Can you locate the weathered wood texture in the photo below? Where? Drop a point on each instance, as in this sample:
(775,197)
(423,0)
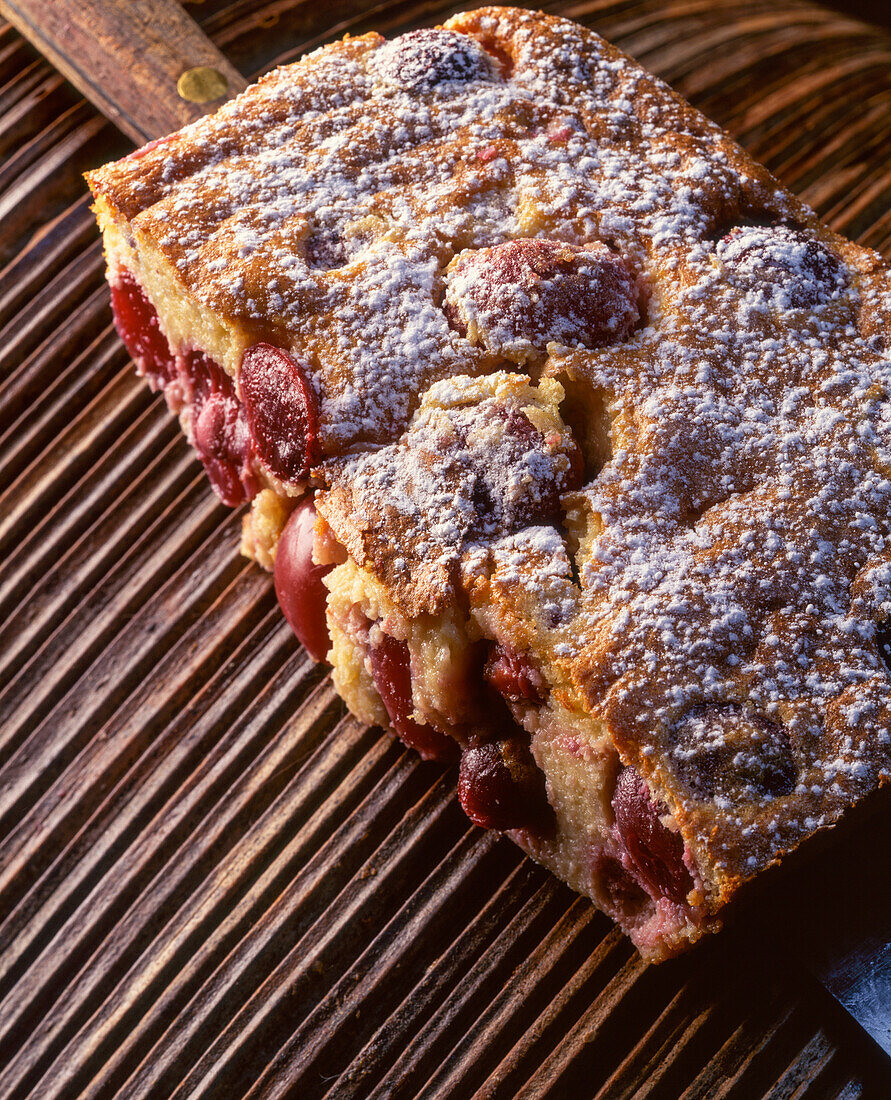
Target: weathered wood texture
(215,883)
(127,57)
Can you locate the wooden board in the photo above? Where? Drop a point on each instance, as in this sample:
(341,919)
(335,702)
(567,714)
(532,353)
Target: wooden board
(145,64)
(215,883)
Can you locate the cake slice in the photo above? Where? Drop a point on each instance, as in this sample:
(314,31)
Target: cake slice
(565,428)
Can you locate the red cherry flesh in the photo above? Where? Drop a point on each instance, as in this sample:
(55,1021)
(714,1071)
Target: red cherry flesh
(136,320)
(299,583)
(655,851)
(391,670)
(281,410)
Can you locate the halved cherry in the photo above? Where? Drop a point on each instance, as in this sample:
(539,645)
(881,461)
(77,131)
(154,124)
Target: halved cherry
(281,410)
(219,430)
(503,493)
(656,853)
(783,263)
(522,294)
(391,671)
(136,320)
(622,891)
(513,675)
(427,58)
(728,751)
(499,785)
(299,584)
(205,377)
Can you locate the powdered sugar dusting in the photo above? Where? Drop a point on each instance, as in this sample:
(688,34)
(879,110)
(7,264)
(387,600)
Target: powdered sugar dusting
(472,466)
(325,203)
(737,571)
(518,297)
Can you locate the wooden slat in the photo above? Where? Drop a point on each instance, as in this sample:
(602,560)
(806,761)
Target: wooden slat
(212,881)
(128,58)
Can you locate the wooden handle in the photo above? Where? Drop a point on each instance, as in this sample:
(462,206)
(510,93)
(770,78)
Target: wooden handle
(144,63)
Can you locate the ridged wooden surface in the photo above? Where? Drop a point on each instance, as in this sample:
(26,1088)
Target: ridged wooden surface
(213,881)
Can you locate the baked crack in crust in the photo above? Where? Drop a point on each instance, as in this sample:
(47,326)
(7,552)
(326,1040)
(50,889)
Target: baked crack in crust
(566,431)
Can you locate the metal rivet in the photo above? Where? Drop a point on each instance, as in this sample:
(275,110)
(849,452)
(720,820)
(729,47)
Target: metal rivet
(202,85)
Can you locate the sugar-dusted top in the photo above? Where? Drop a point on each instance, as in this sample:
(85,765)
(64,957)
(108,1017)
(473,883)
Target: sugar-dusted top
(733,575)
(321,208)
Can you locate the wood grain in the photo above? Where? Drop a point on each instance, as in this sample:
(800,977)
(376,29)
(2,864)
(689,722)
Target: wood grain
(213,882)
(126,57)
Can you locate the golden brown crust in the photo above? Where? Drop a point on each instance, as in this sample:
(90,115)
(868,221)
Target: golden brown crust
(730,539)
(744,497)
(320,208)
(481,455)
